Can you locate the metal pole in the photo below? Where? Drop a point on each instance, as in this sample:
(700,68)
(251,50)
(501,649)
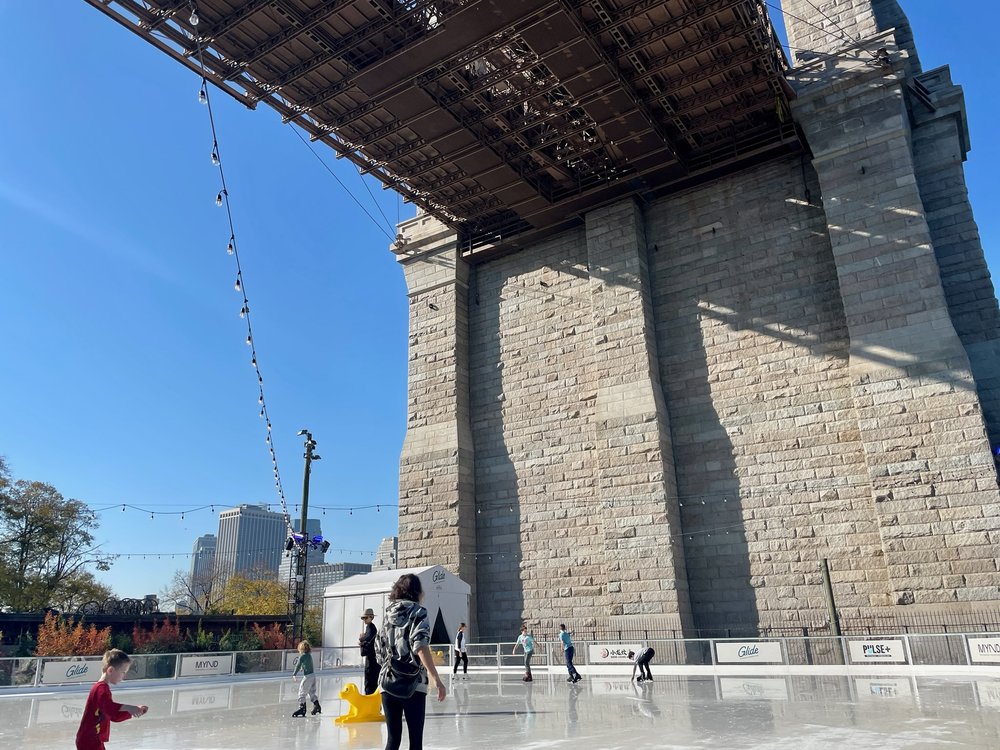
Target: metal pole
(301,549)
(830,602)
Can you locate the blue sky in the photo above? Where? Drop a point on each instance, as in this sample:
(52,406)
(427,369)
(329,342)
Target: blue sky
(125,375)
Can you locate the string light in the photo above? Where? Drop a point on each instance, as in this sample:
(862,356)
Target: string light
(222,194)
(231,249)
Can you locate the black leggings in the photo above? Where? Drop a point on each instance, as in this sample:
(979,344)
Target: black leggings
(461,656)
(414,707)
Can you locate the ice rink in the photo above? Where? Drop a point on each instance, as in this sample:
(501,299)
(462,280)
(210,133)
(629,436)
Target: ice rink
(499,711)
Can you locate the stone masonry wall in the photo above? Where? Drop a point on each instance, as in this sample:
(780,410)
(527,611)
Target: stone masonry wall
(753,355)
(539,532)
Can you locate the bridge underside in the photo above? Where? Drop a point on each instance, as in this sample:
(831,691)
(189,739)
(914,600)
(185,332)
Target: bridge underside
(503,118)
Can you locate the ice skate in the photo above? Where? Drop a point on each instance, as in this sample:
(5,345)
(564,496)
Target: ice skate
(317,709)
(301,710)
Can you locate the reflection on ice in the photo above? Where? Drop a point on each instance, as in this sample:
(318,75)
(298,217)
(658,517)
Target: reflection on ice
(492,711)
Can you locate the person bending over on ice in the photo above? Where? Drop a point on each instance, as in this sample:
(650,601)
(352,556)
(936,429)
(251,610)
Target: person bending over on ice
(308,684)
(100,710)
(642,660)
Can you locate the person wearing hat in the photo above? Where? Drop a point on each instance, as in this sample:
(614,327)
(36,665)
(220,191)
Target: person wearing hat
(367,642)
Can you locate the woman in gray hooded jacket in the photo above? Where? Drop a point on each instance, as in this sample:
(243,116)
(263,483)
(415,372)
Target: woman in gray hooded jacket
(405,635)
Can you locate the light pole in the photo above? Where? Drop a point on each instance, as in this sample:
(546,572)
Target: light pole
(302,544)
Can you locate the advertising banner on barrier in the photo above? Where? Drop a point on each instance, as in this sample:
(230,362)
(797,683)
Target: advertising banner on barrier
(60,710)
(77,670)
(206,664)
(749,652)
(984,650)
(203,699)
(989,693)
(611,653)
(292,658)
(884,688)
(882,652)
(753,688)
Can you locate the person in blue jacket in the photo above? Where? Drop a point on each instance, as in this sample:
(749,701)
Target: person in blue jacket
(568,652)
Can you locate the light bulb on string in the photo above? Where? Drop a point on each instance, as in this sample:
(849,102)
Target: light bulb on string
(231,248)
(244,311)
(215,155)
(202,94)
(238,285)
(249,340)
(193,20)
(218,198)
(253,363)
(123,509)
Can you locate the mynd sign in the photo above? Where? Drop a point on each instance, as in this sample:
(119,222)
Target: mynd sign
(204,664)
(984,650)
(748,652)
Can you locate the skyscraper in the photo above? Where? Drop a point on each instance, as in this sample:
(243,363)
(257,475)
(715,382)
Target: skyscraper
(385,555)
(250,540)
(203,559)
(200,584)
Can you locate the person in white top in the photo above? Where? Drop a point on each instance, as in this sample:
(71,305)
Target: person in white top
(460,654)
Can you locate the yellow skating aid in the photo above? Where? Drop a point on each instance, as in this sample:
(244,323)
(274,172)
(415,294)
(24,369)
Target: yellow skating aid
(360,707)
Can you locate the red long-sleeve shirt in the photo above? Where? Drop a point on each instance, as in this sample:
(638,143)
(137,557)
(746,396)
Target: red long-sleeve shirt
(100,711)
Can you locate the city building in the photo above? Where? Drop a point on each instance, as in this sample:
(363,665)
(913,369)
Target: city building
(251,540)
(385,555)
(321,576)
(203,556)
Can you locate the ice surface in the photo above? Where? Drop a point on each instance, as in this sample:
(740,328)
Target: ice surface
(499,711)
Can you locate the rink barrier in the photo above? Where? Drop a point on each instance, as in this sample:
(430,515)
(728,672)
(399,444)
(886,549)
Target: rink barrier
(922,649)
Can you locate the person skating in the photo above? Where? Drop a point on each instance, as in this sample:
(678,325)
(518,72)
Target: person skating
(642,660)
(460,650)
(367,643)
(308,685)
(100,710)
(568,652)
(527,643)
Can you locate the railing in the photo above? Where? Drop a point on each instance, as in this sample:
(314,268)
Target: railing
(916,650)
(44,670)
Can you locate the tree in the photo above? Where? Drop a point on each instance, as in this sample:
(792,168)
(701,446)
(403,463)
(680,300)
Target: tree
(77,590)
(46,545)
(200,593)
(254,596)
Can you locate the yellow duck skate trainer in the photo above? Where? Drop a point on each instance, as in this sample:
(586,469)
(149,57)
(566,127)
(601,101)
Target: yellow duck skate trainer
(361,707)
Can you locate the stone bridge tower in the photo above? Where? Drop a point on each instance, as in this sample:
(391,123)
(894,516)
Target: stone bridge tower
(664,418)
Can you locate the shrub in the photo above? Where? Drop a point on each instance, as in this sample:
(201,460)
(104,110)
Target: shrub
(59,637)
(200,640)
(272,637)
(164,638)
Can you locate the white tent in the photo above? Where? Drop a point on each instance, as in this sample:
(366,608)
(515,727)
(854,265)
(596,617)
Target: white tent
(446,597)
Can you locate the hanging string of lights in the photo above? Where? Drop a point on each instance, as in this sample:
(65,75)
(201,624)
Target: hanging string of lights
(222,199)
(154,510)
(241,555)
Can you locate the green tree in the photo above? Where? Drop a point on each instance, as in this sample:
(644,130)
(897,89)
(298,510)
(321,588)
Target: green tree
(46,545)
(77,590)
(254,596)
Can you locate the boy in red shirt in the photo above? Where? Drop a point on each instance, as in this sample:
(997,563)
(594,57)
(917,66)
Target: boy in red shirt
(100,711)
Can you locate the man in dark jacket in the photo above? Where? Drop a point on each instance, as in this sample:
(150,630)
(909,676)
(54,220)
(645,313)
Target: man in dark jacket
(367,642)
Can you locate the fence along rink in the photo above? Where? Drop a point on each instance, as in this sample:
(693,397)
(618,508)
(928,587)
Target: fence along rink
(930,649)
